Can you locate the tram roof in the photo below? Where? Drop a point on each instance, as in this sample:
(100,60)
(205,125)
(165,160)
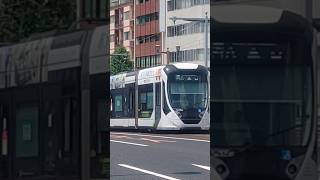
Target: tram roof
(176,65)
(258,18)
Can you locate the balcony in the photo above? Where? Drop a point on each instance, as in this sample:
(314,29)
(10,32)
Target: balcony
(147,8)
(116,3)
(147,28)
(131,43)
(147,49)
(132,22)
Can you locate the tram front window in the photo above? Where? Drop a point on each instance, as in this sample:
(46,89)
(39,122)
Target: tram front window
(188,91)
(262,105)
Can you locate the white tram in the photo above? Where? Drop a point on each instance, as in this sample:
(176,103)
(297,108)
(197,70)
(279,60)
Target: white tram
(171,97)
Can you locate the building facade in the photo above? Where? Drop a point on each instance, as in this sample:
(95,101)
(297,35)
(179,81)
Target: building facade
(122,25)
(185,40)
(148,39)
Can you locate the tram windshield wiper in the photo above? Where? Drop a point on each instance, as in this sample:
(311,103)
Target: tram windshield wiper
(199,102)
(284,131)
(248,145)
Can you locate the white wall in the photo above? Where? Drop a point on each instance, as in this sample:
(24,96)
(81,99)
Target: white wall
(186,42)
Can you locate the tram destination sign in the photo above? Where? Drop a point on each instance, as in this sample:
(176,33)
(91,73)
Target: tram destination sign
(180,77)
(240,52)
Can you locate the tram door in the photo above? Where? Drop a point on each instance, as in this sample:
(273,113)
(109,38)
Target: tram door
(26,132)
(51,116)
(157,96)
(61,116)
(27,139)
(4,141)
(61,139)
(69,143)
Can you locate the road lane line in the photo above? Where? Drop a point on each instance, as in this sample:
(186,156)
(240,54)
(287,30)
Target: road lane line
(203,167)
(146,139)
(123,142)
(121,137)
(156,140)
(165,137)
(148,172)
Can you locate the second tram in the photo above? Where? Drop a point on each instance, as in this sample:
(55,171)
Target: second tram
(264,95)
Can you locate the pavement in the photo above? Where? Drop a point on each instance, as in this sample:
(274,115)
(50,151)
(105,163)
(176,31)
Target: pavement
(139,156)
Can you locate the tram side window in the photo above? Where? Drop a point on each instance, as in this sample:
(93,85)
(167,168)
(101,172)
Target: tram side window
(118,103)
(145,101)
(117,106)
(131,103)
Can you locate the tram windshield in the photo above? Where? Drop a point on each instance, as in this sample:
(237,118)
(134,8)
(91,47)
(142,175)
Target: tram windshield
(188,91)
(262,104)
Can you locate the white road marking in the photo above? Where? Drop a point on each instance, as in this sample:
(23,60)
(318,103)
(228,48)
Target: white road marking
(146,139)
(165,137)
(203,167)
(123,142)
(148,172)
(155,140)
(121,137)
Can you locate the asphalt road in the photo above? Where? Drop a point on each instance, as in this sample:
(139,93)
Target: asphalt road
(139,156)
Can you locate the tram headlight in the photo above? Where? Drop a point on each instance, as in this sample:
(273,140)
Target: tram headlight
(178,113)
(201,114)
(221,169)
(292,169)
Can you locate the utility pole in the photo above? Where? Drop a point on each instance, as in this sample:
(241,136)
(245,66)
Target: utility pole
(206,36)
(206,22)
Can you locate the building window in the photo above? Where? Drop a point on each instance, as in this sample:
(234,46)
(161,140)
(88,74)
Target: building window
(111,38)
(138,62)
(126,35)
(170,5)
(147,18)
(143,62)
(153,61)
(182,4)
(148,64)
(187,55)
(148,38)
(112,19)
(126,15)
(185,29)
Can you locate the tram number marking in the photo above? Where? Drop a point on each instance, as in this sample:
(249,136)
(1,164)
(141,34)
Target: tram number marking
(223,153)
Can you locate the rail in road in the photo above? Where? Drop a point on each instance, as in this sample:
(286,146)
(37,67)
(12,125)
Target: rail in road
(138,156)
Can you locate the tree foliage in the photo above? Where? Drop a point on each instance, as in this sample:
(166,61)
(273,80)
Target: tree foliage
(21,18)
(120,61)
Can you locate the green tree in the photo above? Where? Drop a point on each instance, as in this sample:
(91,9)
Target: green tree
(120,61)
(19,19)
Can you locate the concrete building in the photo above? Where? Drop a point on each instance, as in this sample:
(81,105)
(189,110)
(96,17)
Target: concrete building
(148,41)
(122,25)
(185,40)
